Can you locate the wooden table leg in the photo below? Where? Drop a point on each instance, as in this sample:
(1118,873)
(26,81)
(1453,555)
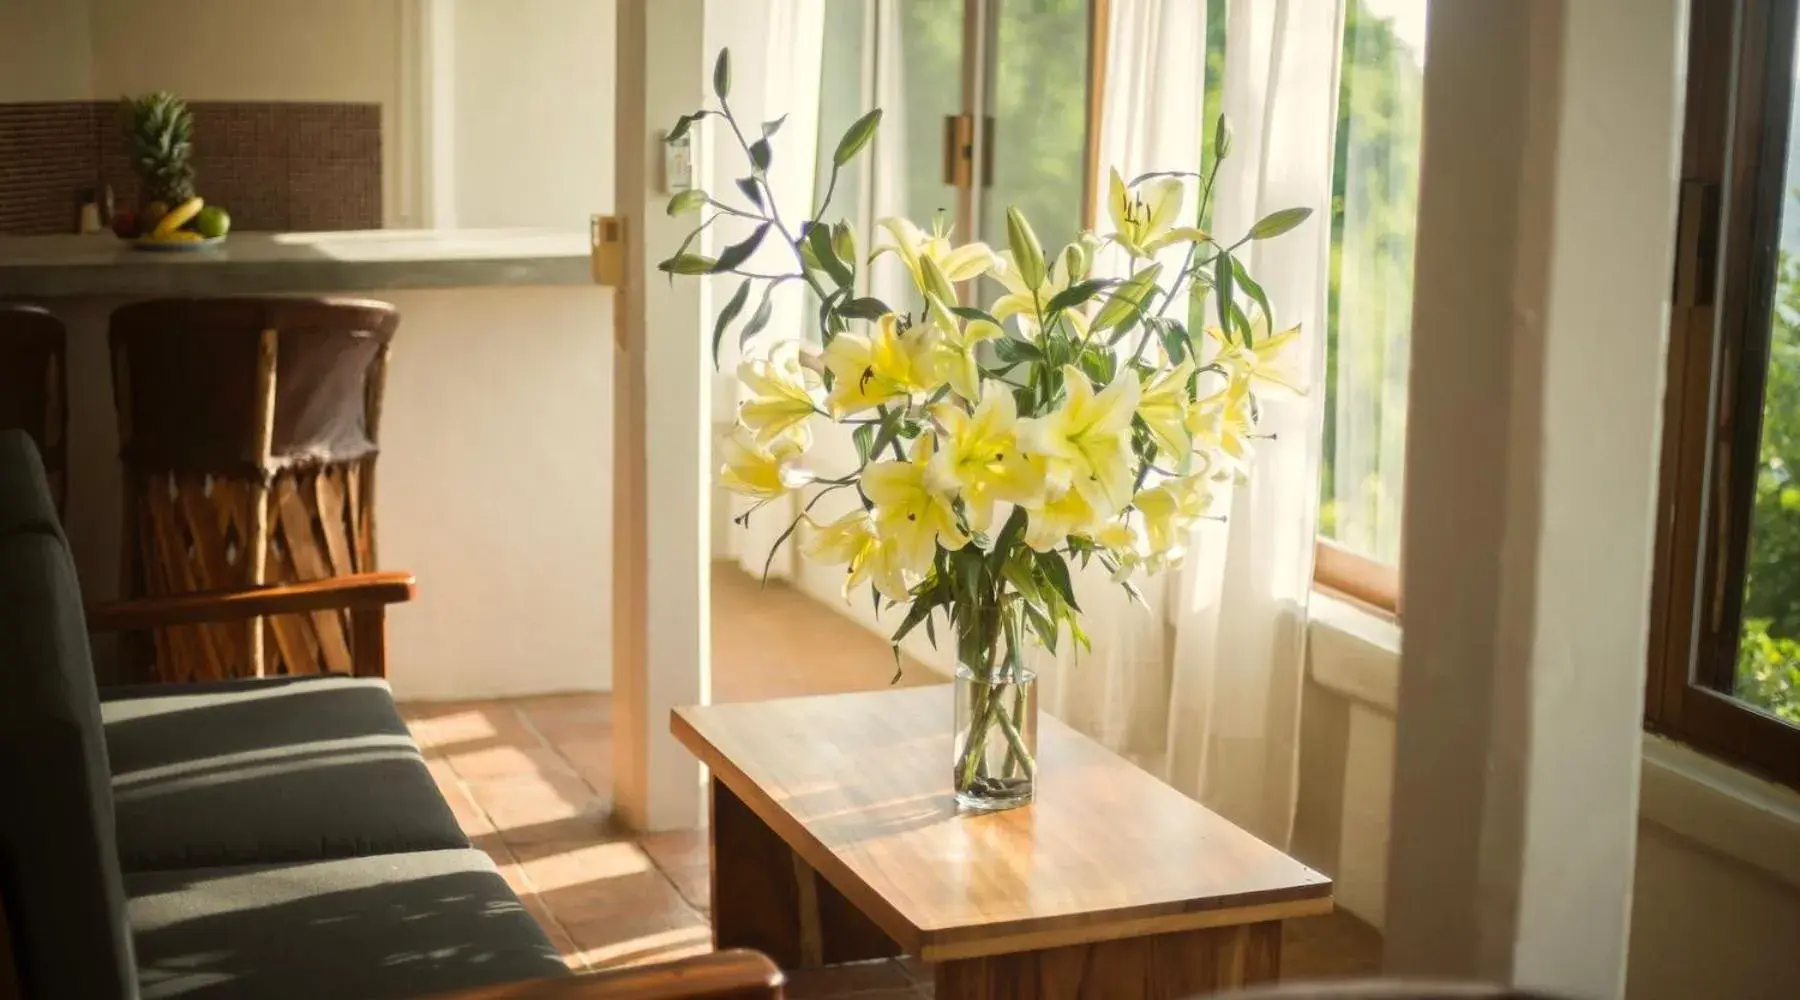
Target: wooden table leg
(766,898)
(1181,964)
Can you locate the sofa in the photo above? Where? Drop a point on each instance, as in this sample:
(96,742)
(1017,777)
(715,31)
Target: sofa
(266,838)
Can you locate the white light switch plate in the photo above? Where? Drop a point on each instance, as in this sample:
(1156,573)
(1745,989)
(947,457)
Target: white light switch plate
(678,164)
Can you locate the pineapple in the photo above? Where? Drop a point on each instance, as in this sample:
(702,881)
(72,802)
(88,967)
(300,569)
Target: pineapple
(159,134)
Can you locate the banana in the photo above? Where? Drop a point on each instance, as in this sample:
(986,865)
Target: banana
(178,216)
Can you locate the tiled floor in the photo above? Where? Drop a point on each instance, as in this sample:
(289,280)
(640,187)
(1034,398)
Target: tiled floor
(530,780)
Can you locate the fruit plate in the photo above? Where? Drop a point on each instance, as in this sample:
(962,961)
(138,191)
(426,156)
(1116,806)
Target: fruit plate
(176,246)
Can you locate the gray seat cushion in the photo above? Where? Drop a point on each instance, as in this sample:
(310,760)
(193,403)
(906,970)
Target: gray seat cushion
(59,872)
(404,925)
(256,772)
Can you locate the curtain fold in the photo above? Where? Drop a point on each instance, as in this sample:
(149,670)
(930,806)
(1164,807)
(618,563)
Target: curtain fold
(1118,692)
(1240,607)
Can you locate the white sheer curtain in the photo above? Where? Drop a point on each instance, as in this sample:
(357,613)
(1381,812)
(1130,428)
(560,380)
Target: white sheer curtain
(1233,727)
(776,48)
(1150,120)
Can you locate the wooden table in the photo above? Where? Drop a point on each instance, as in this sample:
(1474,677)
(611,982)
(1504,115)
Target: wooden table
(835,839)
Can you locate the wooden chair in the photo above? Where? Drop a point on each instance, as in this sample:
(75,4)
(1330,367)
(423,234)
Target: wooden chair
(249,430)
(34,389)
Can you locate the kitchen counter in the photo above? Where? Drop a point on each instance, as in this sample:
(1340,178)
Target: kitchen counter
(252,263)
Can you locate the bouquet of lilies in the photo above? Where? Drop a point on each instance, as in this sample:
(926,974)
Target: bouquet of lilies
(1074,418)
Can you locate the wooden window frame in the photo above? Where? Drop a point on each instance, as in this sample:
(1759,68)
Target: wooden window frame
(1350,575)
(1734,146)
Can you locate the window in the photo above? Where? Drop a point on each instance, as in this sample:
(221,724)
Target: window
(1369,319)
(1725,643)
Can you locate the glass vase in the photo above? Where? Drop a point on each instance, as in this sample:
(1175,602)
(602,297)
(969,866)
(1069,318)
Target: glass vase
(995,764)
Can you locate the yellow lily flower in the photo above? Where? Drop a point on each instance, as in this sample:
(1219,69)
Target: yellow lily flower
(1222,422)
(1169,512)
(912,244)
(1144,220)
(953,352)
(852,540)
(981,459)
(1019,299)
(882,368)
(784,395)
(1164,405)
(1050,524)
(911,514)
(1087,441)
(764,471)
(1269,363)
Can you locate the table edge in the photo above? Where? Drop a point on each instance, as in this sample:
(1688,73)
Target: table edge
(800,840)
(1310,899)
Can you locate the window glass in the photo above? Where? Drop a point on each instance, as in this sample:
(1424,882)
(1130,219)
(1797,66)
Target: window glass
(1038,107)
(1369,319)
(1768,662)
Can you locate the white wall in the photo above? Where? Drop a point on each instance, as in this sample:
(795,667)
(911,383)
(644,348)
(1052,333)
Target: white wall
(45,53)
(264,50)
(1705,922)
(530,101)
(495,489)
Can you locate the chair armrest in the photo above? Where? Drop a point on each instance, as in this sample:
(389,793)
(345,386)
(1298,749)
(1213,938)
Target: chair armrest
(362,591)
(724,975)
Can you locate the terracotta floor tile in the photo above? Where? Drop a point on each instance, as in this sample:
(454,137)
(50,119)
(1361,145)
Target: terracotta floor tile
(677,848)
(694,882)
(553,929)
(469,816)
(552,867)
(506,761)
(517,804)
(602,898)
(640,938)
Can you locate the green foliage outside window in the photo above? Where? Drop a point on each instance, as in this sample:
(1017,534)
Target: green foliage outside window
(1768,667)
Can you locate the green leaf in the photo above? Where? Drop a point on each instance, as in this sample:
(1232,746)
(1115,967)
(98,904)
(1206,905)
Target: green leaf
(1276,223)
(737,253)
(864,438)
(777,548)
(722,74)
(864,308)
(1016,352)
(1075,295)
(770,128)
(749,188)
(856,137)
(1222,283)
(1174,340)
(971,313)
(890,430)
(919,611)
(687,201)
(684,123)
(687,263)
(818,240)
(733,306)
(843,242)
(1221,137)
(759,318)
(1043,626)
(1028,253)
(1126,305)
(761,154)
(1242,277)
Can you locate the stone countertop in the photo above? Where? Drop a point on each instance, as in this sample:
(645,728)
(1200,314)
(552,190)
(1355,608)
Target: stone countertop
(264,263)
